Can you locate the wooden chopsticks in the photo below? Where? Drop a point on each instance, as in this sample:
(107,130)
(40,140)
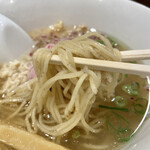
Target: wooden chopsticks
(112,66)
(133,55)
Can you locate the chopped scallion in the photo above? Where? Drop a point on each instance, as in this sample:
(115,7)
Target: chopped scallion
(124,135)
(138,108)
(131,89)
(135,85)
(100,41)
(139,105)
(113,43)
(116,122)
(119,126)
(120,101)
(126,75)
(133,62)
(120,78)
(76,134)
(114,108)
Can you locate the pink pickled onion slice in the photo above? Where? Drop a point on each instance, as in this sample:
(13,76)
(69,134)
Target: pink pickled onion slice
(31,73)
(49,46)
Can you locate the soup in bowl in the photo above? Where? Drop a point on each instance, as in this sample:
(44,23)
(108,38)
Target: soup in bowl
(67,104)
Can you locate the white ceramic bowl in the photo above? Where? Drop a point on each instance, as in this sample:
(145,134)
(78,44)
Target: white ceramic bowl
(123,19)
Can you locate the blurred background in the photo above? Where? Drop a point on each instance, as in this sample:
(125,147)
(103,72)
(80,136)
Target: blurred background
(144,2)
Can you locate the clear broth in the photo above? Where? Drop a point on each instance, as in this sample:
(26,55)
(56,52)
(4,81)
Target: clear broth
(53,35)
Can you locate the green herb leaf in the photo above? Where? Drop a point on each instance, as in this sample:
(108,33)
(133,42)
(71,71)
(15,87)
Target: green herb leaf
(76,134)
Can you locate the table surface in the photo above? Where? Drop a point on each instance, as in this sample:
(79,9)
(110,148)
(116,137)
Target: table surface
(144,2)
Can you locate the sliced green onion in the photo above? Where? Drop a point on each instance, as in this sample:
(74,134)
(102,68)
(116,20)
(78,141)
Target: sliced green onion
(120,78)
(126,75)
(100,41)
(120,101)
(135,85)
(138,108)
(139,105)
(119,126)
(116,123)
(76,134)
(133,62)
(124,135)
(131,89)
(113,43)
(114,108)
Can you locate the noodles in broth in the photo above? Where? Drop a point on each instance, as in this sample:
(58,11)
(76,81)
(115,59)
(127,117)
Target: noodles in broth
(61,99)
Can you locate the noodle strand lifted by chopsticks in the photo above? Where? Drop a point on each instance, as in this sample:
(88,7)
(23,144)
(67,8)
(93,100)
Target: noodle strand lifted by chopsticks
(66,93)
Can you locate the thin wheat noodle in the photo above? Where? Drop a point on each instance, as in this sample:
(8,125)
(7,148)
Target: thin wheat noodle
(66,93)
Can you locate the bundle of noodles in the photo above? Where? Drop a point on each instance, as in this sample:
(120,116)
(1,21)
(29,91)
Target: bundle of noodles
(62,97)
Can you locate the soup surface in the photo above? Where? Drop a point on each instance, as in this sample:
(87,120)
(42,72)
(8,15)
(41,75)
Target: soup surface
(117,117)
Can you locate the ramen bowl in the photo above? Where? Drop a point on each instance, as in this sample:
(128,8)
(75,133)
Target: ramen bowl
(125,20)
